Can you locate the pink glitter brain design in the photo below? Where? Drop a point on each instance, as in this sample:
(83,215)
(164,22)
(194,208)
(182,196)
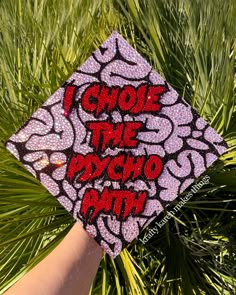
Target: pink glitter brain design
(115,144)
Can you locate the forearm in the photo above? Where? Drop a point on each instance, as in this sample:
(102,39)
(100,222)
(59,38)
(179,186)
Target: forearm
(69,269)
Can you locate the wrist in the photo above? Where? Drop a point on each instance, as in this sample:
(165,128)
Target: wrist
(78,236)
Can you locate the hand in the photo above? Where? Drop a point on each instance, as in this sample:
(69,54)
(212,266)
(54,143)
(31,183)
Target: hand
(68,270)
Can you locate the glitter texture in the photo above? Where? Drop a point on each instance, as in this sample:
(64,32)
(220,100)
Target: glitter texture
(185,143)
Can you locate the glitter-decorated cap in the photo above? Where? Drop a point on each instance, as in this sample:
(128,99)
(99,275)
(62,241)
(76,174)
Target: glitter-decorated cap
(115,144)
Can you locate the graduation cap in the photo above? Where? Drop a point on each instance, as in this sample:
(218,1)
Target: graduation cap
(115,144)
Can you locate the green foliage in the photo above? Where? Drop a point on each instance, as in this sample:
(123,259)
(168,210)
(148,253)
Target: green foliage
(192,44)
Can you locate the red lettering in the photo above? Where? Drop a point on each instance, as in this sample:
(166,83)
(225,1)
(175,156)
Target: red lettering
(86,167)
(122,167)
(75,165)
(141,95)
(107,99)
(68,100)
(133,167)
(99,165)
(153,167)
(112,201)
(127,98)
(153,97)
(130,131)
(135,203)
(105,134)
(90,98)
(100,98)
(115,168)
(95,203)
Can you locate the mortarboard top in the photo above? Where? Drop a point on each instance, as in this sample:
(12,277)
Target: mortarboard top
(115,144)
